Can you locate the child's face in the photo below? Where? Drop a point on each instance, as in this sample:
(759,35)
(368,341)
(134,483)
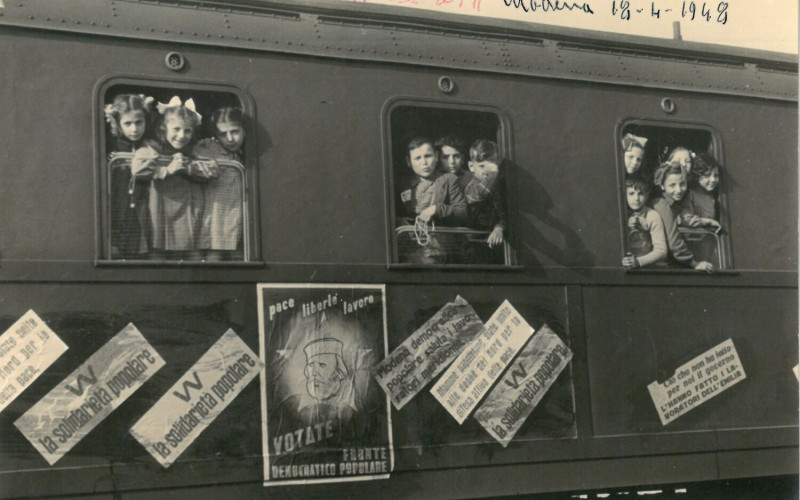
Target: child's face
(633,160)
(480,169)
(675,186)
(635,198)
(711,181)
(682,157)
(179,133)
(230,135)
(423,160)
(451,160)
(131,124)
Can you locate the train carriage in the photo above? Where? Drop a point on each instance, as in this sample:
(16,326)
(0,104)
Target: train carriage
(333,94)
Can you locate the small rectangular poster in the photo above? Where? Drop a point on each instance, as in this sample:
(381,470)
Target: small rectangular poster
(27,349)
(473,373)
(62,418)
(428,351)
(697,381)
(524,384)
(197,398)
(324,418)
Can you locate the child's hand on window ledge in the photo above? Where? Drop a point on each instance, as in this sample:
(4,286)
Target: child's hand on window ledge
(704,266)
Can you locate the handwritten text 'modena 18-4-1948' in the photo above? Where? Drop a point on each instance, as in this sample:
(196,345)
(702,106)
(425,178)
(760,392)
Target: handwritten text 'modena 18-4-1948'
(623,10)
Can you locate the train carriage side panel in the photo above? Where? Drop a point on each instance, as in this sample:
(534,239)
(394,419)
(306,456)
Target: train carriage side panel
(322,143)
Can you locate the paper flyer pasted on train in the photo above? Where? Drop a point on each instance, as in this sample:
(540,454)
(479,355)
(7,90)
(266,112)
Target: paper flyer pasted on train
(428,351)
(27,349)
(697,381)
(324,418)
(62,418)
(523,385)
(473,373)
(197,398)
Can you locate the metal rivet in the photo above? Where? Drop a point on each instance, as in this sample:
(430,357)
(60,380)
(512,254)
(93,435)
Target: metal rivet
(174,61)
(446,84)
(668,105)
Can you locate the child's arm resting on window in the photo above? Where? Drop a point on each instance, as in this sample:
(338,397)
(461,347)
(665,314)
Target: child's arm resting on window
(144,164)
(653,223)
(203,169)
(675,243)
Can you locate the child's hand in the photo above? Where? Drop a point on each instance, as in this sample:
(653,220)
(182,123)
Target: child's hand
(490,168)
(178,163)
(495,237)
(427,214)
(704,266)
(630,262)
(633,221)
(712,224)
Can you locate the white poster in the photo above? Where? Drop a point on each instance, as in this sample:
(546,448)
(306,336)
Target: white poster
(62,418)
(473,373)
(27,349)
(697,381)
(524,384)
(427,351)
(194,401)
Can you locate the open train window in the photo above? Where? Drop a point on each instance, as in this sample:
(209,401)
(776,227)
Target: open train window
(447,185)
(673,203)
(177,163)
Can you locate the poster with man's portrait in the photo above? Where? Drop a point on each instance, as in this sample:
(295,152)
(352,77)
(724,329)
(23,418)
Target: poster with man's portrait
(324,418)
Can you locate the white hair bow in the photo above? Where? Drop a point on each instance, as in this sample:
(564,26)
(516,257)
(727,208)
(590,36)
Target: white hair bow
(108,110)
(631,139)
(176,102)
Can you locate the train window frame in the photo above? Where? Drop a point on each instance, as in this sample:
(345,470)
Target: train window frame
(251,248)
(717,150)
(393,175)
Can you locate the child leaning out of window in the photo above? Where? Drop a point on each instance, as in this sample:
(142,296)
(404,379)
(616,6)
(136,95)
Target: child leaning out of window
(174,172)
(485,198)
(647,243)
(705,180)
(671,178)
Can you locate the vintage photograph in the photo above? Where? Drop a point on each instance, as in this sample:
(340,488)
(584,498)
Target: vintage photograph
(399,249)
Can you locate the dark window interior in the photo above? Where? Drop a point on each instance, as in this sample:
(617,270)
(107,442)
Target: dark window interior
(662,140)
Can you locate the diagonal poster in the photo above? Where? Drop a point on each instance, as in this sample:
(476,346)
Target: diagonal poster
(324,418)
(197,399)
(74,407)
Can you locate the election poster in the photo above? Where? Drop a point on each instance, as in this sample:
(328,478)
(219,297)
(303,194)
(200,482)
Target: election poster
(324,418)
(696,381)
(476,369)
(427,351)
(197,398)
(523,385)
(63,417)
(27,349)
